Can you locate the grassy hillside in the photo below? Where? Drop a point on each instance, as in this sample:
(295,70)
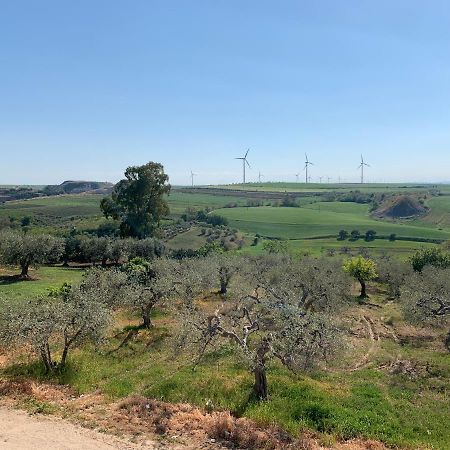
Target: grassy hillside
(321,219)
(361,395)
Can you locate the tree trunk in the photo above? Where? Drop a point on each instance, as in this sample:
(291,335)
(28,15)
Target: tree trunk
(104,262)
(363,289)
(146,317)
(64,354)
(24,272)
(223,286)
(260,386)
(47,358)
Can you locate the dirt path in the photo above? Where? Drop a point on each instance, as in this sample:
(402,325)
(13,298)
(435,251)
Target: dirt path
(374,340)
(20,431)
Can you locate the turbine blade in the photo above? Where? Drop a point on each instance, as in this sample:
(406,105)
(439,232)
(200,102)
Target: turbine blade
(246,153)
(247,163)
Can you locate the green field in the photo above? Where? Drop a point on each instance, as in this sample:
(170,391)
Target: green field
(321,219)
(42,279)
(341,187)
(313,219)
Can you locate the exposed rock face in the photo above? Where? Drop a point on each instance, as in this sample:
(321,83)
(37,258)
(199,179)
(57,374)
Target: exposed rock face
(400,207)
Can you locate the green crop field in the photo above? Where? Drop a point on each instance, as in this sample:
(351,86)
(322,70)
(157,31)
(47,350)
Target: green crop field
(313,219)
(321,219)
(341,187)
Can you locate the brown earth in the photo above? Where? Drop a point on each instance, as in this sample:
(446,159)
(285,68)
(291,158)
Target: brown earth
(400,207)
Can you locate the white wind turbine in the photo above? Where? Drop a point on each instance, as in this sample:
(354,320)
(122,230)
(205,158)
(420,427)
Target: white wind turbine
(361,166)
(244,162)
(307,163)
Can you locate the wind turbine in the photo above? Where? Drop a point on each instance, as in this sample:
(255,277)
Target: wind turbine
(307,163)
(320,179)
(296,177)
(328,179)
(244,162)
(192,178)
(260,175)
(361,166)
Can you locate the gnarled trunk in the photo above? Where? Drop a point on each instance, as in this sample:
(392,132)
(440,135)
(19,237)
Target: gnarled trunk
(24,270)
(260,386)
(47,358)
(224,281)
(363,289)
(223,285)
(146,317)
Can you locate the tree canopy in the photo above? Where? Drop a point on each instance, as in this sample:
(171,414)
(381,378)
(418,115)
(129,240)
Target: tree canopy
(28,249)
(363,269)
(138,201)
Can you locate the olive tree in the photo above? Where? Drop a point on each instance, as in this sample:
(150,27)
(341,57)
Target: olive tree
(425,298)
(363,269)
(70,317)
(95,249)
(29,249)
(434,256)
(279,309)
(393,273)
(148,283)
(224,266)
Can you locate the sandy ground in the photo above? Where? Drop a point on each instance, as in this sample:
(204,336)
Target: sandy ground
(20,431)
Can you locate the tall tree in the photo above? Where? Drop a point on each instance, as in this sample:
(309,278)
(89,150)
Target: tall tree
(138,201)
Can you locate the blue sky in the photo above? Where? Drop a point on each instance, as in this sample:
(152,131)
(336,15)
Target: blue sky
(89,87)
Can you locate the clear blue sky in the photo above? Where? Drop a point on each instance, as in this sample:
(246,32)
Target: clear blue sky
(88,87)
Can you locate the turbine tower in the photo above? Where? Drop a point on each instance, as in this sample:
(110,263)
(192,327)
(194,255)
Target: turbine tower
(244,162)
(328,179)
(296,177)
(192,178)
(361,166)
(307,163)
(260,175)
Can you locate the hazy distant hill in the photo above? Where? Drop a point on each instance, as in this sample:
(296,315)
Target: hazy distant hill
(78,187)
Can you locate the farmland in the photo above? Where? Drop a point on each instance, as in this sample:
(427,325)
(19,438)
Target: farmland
(319,220)
(312,226)
(358,395)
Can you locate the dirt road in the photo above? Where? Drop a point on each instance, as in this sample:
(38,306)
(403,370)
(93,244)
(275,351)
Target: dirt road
(20,431)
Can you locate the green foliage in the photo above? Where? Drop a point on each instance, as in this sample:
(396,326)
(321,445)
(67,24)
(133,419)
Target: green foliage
(71,316)
(138,201)
(425,297)
(430,256)
(355,235)
(209,248)
(28,249)
(275,246)
(342,235)
(370,235)
(361,268)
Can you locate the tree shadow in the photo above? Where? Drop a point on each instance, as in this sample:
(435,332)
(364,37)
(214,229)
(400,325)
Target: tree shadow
(240,409)
(12,279)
